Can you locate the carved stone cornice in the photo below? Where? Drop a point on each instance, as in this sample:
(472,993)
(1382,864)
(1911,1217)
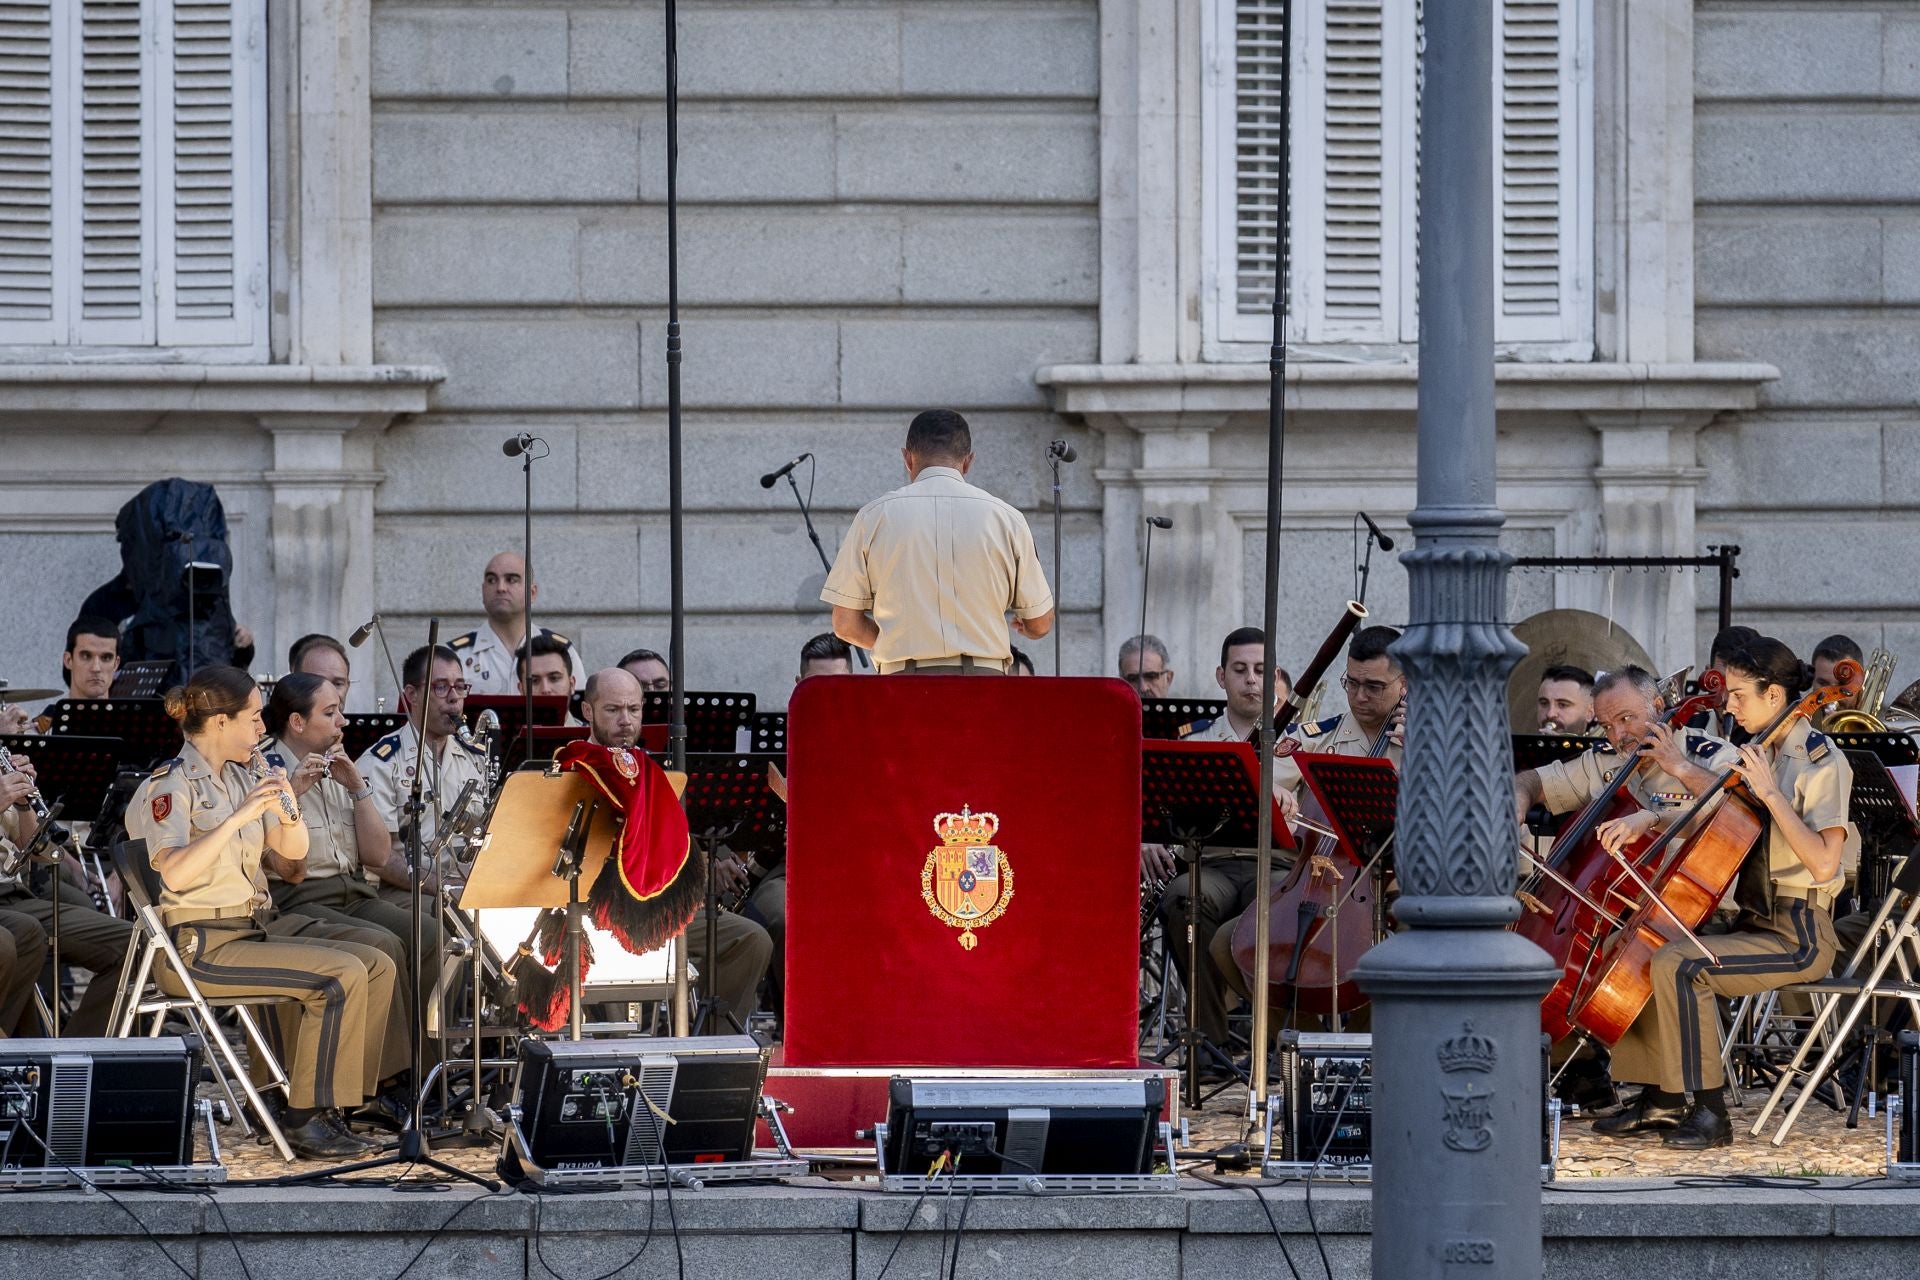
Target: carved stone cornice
(123,397)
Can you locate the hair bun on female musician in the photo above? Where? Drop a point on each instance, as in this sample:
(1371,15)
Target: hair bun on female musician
(213,691)
(1770,662)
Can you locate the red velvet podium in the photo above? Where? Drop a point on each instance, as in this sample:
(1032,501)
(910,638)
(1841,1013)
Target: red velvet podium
(962,884)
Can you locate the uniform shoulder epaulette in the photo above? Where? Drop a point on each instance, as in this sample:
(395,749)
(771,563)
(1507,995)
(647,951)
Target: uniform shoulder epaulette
(383,750)
(1319,728)
(167,768)
(555,635)
(1818,746)
(1192,727)
(274,758)
(463,641)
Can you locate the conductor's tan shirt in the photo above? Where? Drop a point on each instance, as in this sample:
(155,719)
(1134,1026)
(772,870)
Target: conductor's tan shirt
(183,800)
(940,563)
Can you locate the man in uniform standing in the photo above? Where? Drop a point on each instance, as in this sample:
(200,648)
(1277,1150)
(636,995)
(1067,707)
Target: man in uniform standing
(433,707)
(486,653)
(927,574)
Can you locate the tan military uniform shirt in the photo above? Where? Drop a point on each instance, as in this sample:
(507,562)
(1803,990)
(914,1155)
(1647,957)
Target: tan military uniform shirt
(1818,780)
(10,845)
(1339,736)
(487,662)
(333,845)
(940,563)
(1566,785)
(183,800)
(388,766)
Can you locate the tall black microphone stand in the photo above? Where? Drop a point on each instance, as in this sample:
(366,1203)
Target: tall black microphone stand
(676,511)
(413,1148)
(1257,1093)
(806,514)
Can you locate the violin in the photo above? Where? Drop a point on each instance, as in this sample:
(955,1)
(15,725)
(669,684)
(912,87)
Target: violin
(1687,879)
(1571,899)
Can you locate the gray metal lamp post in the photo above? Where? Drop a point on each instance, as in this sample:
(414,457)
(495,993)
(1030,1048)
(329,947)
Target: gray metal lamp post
(1456,998)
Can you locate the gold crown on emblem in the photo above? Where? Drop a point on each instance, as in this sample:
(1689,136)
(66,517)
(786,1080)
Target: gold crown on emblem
(966,827)
(1468,1051)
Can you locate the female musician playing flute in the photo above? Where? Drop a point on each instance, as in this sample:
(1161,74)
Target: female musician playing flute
(1785,893)
(210,823)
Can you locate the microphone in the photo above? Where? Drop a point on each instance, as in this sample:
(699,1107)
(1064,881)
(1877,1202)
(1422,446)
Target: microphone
(1160,522)
(359,637)
(1386,543)
(517,445)
(1061,450)
(768,480)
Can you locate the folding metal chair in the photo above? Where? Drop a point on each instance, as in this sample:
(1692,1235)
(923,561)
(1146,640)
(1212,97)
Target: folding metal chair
(1840,1001)
(140,997)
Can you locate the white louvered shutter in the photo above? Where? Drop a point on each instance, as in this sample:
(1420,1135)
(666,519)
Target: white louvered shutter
(1355,173)
(27,125)
(211,162)
(1542,262)
(132,175)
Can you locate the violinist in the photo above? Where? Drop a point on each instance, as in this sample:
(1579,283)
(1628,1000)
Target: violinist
(1785,894)
(211,824)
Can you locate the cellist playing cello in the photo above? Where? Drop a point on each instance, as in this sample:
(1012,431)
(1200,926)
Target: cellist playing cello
(1785,893)
(1672,766)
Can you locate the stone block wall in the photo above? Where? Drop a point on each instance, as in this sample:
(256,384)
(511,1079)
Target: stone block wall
(885,206)
(1807,240)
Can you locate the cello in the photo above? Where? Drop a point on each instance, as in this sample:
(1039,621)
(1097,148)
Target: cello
(1571,899)
(1687,882)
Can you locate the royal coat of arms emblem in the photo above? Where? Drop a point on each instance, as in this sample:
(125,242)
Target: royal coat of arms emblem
(967,882)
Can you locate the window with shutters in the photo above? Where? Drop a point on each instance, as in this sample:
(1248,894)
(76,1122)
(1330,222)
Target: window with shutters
(133,195)
(1353,128)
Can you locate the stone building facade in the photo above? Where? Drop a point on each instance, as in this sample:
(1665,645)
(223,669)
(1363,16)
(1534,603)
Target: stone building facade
(1037,211)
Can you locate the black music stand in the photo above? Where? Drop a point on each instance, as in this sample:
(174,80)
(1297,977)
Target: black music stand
(714,720)
(1163,718)
(728,800)
(75,770)
(364,728)
(1879,808)
(770,733)
(1531,750)
(141,679)
(1193,794)
(147,733)
(511,709)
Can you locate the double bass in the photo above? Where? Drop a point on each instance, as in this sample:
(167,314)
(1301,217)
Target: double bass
(1686,883)
(1572,898)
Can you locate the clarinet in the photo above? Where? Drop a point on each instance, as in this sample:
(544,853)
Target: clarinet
(37,805)
(261,772)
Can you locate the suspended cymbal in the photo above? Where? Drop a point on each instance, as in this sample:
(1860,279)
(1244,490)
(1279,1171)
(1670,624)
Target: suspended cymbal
(1565,637)
(10,694)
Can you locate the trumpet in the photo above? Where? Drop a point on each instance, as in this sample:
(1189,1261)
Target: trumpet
(258,767)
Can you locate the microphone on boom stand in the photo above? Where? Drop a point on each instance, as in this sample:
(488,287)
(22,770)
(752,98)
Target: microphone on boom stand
(1146,568)
(772,478)
(1363,565)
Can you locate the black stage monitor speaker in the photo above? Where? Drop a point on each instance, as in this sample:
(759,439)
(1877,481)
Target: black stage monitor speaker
(1024,1125)
(97,1103)
(1908,1124)
(602,1104)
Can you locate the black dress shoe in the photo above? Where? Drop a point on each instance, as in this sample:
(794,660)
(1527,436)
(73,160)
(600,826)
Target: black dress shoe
(1701,1130)
(1643,1117)
(317,1139)
(339,1121)
(383,1111)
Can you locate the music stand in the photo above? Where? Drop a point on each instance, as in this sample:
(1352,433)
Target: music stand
(1163,718)
(1531,750)
(1193,794)
(729,800)
(714,720)
(1887,824)
(1359,795)
(142,725)
(140,679)
(76,770)
(547,739)
(770,733)
(364,728)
